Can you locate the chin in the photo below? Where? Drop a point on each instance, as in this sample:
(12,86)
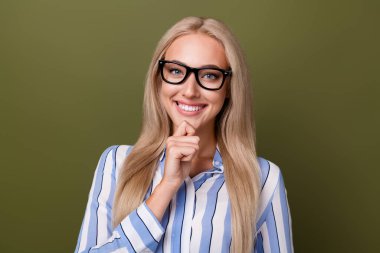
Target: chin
(192,122)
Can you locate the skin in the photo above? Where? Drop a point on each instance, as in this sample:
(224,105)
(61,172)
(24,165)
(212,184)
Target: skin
(191,148)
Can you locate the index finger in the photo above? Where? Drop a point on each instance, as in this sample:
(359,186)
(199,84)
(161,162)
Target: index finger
(184,129)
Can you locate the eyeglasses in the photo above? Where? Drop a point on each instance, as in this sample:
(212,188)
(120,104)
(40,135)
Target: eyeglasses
(208,78)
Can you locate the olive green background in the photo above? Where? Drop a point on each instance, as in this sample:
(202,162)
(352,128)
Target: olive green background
(71,84)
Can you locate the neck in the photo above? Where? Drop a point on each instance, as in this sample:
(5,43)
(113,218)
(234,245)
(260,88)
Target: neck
(207,143)
(205,156)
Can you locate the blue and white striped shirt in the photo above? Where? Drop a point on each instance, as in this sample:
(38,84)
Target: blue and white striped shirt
(198,218)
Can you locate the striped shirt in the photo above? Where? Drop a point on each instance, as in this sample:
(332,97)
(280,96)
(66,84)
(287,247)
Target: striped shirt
(198,218)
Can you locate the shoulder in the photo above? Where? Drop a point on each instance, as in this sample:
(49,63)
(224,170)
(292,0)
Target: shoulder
(271,178)
(116,152)
(112,157)
(269,172)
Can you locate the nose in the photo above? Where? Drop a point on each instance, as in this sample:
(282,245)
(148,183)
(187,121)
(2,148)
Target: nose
(190,87)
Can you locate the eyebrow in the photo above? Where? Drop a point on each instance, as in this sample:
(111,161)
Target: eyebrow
(203,66)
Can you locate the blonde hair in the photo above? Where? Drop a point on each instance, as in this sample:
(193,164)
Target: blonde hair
(234,130)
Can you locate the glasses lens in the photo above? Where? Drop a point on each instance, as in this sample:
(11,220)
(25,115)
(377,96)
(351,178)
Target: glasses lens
(173,72)
(210,78)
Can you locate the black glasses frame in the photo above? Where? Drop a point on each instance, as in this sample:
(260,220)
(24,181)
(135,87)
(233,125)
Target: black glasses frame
(189,70)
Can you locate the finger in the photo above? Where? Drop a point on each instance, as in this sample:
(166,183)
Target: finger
(175,148)
(183,139)
(184,129)
(181,130)
(186,153)
(190,130)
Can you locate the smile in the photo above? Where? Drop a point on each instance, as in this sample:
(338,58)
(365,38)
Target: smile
(189,109)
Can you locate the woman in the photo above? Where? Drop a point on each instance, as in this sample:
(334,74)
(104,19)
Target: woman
(192,182)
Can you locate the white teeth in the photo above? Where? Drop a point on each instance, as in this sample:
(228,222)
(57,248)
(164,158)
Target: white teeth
(189,108)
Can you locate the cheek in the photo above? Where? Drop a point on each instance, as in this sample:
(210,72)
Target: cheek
(164,94)
(167,91)
(219,99)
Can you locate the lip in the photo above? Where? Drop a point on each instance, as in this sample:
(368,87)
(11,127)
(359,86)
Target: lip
(190,104)
(186,113)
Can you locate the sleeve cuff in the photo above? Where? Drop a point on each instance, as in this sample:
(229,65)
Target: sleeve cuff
(142,229)
(152,223)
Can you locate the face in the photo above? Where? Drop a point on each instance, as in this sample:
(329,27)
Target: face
(189,101)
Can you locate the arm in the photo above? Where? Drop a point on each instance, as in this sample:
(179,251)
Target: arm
(275,231)
(139,231)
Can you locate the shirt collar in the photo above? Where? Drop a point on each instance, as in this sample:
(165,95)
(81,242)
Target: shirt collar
(217,161)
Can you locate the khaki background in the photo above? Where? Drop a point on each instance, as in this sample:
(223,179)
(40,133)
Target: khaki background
(71,78)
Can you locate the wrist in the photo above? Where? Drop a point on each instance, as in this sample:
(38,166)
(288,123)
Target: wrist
(160,198)
(169,186)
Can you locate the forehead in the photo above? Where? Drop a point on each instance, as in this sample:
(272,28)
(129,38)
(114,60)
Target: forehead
(197,50)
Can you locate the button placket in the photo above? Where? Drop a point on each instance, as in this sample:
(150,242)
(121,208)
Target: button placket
(188,216)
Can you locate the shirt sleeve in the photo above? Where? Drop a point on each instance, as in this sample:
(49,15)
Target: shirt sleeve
(140,231)
(274,234)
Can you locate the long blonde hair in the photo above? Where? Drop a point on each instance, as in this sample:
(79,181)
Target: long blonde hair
(235,136)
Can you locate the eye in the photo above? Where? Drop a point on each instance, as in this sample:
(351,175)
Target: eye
(211,75)
(175,71)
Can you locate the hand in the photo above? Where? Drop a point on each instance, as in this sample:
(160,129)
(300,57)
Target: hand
(181,148)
